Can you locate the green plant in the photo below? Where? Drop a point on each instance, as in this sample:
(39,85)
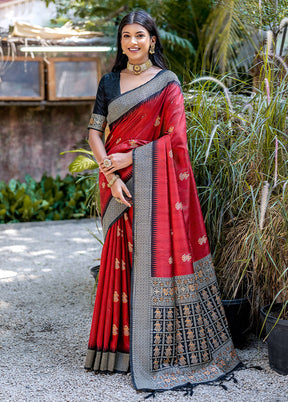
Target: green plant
(49,199)
(239,154)
(235,31)
(179,23)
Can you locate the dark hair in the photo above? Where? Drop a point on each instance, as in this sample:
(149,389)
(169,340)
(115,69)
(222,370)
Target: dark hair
(144,19)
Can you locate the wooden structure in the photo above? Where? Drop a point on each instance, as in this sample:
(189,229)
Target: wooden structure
(73,78)
(22,78)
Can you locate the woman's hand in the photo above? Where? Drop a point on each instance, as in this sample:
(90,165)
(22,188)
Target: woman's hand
(118,161)
(118,190)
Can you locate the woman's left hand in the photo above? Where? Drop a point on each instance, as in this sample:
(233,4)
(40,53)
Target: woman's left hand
(118,161)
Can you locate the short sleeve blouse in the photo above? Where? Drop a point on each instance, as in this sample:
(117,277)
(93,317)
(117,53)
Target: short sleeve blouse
(108,89)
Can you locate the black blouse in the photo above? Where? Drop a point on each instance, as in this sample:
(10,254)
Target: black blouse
(108,89)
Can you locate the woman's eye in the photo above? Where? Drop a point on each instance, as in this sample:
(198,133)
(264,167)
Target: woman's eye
(125,36)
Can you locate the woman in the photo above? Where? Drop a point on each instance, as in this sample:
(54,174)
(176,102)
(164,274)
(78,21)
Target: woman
(157,309)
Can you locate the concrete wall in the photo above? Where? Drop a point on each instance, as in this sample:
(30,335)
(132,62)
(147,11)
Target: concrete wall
(31,138)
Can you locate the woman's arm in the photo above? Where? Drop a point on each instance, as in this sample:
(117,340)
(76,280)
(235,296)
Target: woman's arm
(119,161)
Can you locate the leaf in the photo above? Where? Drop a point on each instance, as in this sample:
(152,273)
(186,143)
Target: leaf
(82,163)
(84,151)
(176,41)
(13,184)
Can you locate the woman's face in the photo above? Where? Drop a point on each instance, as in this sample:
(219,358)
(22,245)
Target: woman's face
(136,42)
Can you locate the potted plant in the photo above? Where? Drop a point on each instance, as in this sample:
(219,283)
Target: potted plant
(276,326)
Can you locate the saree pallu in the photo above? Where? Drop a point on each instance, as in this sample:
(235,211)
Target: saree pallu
(177,333)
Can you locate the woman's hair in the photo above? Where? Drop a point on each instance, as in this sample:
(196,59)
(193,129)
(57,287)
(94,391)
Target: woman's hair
(142,18)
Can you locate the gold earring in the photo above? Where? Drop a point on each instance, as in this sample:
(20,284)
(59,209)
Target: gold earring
(123,52)
(152,48)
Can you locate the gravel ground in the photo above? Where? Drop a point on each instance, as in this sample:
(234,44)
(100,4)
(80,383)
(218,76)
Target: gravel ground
(45,315)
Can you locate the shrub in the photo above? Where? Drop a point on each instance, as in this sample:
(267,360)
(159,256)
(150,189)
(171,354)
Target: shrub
(47,200)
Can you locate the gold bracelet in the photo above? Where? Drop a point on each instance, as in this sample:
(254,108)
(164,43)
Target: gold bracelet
(112,181)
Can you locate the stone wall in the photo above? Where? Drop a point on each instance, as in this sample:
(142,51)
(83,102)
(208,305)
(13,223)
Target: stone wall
(32,137)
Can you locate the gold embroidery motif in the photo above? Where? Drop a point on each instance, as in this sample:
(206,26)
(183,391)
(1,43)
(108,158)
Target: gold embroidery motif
(157,339)
(190,334)
(115,330)
(169,326)
(118,140)
(123,265)
(192,346)
(124,298)
(186,310)
(170,260)
(194,358)
(158,313)
(117,263)
(133,144)
(168,351)
(182,361)
(171,129)
(130,247)
(171,153)
(180,348)
(157,326)
(156,365)
(119,232)
(157,121)
(202,240)
(178,206)
(186,257)
(169,339)
(183,176)
(126,330)
(116,296)
(103,184)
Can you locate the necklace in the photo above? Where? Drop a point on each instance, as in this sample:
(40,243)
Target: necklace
(139,68)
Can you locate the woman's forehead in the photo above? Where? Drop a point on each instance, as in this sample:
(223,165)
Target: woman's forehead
(133,28)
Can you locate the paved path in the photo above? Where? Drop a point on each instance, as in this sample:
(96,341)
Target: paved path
(46,295)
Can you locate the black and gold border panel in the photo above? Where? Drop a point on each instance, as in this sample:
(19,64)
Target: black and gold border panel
(179,332)
(97,122)
(115,210)
(121,105)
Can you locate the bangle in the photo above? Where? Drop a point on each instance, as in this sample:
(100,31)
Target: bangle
(112,181)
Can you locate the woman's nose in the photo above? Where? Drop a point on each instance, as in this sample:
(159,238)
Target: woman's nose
(134,39)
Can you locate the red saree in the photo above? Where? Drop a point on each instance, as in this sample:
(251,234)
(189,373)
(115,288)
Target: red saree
(167,320)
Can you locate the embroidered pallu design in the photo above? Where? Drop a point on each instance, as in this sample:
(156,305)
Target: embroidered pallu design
(175,296)
(188,333)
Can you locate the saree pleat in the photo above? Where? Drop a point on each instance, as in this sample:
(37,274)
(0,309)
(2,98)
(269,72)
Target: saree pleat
(108,348)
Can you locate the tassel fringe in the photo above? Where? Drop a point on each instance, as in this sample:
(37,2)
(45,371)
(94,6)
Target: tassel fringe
(188,389)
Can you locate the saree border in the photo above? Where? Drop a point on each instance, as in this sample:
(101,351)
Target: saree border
(115,210)
(222,357)
(127,101)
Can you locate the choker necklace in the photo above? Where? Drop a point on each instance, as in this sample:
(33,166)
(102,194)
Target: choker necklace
(139,68)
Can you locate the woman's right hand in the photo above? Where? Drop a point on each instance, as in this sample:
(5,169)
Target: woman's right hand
(118,189)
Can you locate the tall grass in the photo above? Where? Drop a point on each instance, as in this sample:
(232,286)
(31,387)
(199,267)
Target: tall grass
(239,152)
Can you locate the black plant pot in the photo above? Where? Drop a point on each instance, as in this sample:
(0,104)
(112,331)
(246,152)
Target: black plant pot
(94,270)
(277,340)
(238,317)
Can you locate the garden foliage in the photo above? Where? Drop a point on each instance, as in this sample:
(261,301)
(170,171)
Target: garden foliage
(49,199)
